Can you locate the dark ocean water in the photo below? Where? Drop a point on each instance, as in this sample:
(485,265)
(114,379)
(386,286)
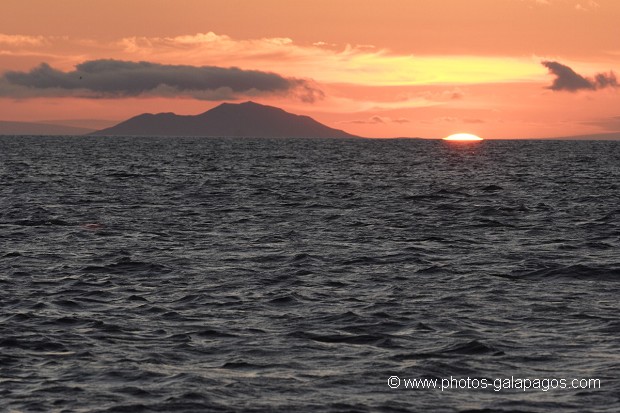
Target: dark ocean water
(189,275)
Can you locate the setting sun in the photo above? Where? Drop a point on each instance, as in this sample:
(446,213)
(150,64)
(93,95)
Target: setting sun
(462,137)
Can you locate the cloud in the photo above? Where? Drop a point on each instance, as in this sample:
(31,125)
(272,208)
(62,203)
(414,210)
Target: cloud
(401,120)
(603,80)
(584,5)
(444,95)
(567,79)
(108,78)
(21,40)
(374,120)
(590,5)
(450,119)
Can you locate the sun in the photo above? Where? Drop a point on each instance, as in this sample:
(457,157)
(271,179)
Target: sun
(462,137)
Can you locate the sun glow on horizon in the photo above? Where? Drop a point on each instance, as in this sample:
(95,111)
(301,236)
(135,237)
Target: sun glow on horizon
(463,137)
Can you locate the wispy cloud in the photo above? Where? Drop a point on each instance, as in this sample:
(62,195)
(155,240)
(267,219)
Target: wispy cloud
(581,5)
(452,119)
(588,5)
(21,40)
(119,79)
(375,120)
(566,79)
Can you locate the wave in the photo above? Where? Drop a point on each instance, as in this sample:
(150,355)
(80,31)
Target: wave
(570,272)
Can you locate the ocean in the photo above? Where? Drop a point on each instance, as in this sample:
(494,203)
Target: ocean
(311,275)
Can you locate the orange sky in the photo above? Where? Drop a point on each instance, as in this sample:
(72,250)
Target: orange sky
(384,68)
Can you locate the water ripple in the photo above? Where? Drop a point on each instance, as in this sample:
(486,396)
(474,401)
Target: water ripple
(276,275)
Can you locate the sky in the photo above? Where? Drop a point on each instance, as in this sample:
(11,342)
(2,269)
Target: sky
(376,68)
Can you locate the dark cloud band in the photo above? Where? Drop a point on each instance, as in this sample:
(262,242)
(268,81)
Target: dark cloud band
(569,80)
(118,79)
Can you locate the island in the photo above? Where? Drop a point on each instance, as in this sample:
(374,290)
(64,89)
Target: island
(248,119)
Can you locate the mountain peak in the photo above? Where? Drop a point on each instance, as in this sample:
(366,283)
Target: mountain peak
(249,119)
(242,104)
